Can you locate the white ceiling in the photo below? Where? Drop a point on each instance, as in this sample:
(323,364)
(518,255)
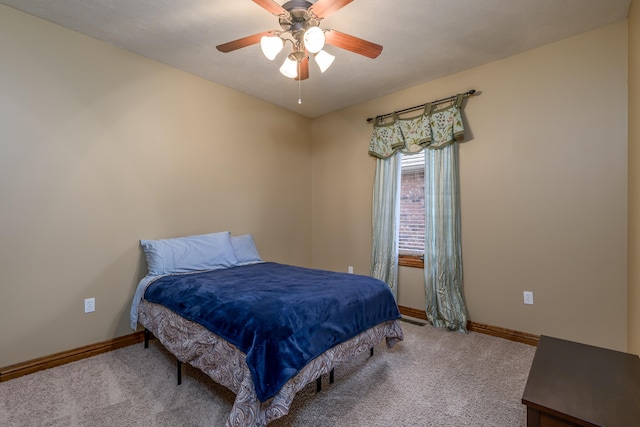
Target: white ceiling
(423,39)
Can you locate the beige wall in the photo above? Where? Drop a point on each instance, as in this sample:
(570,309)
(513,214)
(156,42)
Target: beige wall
(633,307)
(99,148)
(543,182)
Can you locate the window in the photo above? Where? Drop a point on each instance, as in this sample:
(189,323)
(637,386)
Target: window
(412,214)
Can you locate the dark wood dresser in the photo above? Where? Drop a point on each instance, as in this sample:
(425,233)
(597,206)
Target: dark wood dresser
(572,384)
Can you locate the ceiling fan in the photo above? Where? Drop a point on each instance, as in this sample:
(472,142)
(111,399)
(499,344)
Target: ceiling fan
(300,23)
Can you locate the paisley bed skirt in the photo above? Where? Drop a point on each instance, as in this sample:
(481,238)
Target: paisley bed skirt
(225,363)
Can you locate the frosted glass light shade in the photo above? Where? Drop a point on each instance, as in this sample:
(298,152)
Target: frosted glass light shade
(289,68)
(324,60)
(271,46)
(314,39)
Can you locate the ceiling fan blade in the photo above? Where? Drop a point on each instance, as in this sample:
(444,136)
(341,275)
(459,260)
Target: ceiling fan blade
(271,6)
(353,44)
(324,8)
(243,42)
(304,69)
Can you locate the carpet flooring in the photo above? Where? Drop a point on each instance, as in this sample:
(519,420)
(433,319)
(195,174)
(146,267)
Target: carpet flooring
(433,378)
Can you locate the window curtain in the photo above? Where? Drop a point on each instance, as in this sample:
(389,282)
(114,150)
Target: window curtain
(385,212)
(386,216)
(443,247)
(436,131)
(445,305)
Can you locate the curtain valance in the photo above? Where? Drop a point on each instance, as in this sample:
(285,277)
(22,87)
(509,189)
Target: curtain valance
(433,128)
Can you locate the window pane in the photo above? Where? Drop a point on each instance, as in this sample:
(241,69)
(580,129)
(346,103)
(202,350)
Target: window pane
(412,215)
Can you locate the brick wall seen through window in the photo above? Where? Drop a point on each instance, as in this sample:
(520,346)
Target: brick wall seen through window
(412,214)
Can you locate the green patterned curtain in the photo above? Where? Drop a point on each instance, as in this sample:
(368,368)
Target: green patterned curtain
(443,246)
(445,305)
(385,213)
(436,131)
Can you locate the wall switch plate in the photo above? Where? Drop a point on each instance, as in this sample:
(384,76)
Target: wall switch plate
(89,305)
(350,269)
(528,297)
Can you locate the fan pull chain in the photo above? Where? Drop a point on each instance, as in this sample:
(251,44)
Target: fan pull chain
(299,86)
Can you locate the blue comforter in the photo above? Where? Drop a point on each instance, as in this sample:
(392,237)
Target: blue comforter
(280,316)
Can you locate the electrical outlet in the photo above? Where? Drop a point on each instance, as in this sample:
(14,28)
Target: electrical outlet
(528,297)
(89,305)
(350,269)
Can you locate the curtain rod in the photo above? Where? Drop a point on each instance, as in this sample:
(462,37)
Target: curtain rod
(417,107)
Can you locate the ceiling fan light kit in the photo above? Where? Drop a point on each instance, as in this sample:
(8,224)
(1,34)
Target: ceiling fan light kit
(271,46)
(289,68)
(313,39)
(300,23)
(324,60)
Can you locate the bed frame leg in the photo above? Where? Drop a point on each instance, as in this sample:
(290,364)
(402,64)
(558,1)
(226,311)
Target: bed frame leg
(319,381)
(179,372)
(146,338)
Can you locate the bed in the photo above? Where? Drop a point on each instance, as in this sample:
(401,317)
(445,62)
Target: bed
(264,330)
